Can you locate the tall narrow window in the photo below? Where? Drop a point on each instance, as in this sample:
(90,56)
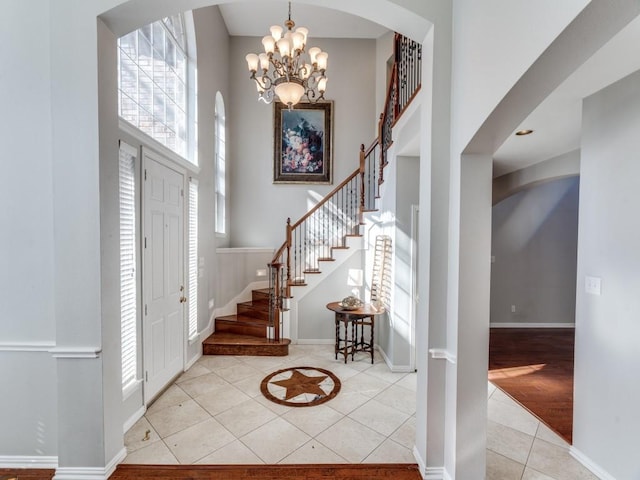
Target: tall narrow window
(156,84)
(221,180)
(193,258)
(128,293)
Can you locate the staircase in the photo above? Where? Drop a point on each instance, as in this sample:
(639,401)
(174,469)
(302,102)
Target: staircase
(312,240)
(246,332)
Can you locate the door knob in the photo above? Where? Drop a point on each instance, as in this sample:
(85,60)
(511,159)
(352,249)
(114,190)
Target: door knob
(183,299)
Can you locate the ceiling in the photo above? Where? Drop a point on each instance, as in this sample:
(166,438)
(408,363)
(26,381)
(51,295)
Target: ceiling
(556,121)
(321,22)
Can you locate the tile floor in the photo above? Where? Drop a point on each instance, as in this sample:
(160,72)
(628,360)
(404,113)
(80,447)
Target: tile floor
(215,414)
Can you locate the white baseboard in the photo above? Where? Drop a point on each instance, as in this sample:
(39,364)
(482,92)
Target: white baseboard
(394,368)
(90,473)
(208,330)
(23,461)
(429,473)
(596,469)
(131,421)
(531,325)
(193,360)
(435,473)
(316,341)
(422,466)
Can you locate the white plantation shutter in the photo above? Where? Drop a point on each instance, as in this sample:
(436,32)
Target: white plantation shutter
(128,293)
(193,258)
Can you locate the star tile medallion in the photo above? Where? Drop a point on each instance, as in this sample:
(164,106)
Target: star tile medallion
(300,386)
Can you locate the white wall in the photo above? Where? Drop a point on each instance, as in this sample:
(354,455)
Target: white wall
(259,209)
(315,322)
(607,358)
(494,44)
(534,244)
(236,269)
(400,192)
(26,256)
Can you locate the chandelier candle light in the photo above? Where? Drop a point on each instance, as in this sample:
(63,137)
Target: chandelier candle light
(286,71)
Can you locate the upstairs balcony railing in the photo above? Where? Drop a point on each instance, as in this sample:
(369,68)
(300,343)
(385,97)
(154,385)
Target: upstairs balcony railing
(312,239)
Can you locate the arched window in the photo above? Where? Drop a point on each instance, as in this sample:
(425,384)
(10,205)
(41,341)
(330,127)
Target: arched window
(156,82)
(220,179)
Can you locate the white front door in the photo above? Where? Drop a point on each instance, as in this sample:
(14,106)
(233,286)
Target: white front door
(163,279)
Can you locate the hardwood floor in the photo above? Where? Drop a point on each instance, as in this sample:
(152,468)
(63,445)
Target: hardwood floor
(26,474)
(268,472)
(535,367)
(241,472)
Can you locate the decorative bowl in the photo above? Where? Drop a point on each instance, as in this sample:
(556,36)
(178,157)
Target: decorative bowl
(351,303)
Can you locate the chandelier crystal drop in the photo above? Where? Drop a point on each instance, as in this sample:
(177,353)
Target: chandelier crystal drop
(285,69)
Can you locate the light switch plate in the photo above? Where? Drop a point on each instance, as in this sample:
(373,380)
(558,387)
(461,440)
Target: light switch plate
(592,285)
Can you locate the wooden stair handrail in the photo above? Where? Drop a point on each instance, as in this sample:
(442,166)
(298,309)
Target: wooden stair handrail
(325,199)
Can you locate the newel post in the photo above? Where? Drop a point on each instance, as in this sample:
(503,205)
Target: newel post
(277,304)
(288,241)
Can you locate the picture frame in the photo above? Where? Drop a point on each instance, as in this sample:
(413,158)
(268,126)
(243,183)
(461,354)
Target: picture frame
(303,150)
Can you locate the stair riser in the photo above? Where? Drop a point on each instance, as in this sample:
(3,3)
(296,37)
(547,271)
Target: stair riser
(253,350)
(241,329)
(260,298)
(253,311)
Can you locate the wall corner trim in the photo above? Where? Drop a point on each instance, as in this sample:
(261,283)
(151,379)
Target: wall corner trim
(91,473)
(76,352)
(442,354)
(26,347)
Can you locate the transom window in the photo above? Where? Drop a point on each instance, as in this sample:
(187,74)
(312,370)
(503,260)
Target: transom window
(154,83)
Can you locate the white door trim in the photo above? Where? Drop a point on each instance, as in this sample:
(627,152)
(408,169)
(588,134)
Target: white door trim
(415,215)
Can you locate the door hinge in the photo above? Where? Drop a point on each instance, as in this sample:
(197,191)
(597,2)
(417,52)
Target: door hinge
(145,173)
(145,242)
(182,192)
(146,376)
(145,308)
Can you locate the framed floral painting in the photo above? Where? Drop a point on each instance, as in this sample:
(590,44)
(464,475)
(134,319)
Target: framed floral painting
(302,143)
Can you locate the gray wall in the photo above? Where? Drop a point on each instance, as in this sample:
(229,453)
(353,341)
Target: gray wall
(534,242)
(315,322)
(237,268)
(607,358)
(213,51)
(258,208)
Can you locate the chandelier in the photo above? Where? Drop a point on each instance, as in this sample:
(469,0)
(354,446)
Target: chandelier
(285,70)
